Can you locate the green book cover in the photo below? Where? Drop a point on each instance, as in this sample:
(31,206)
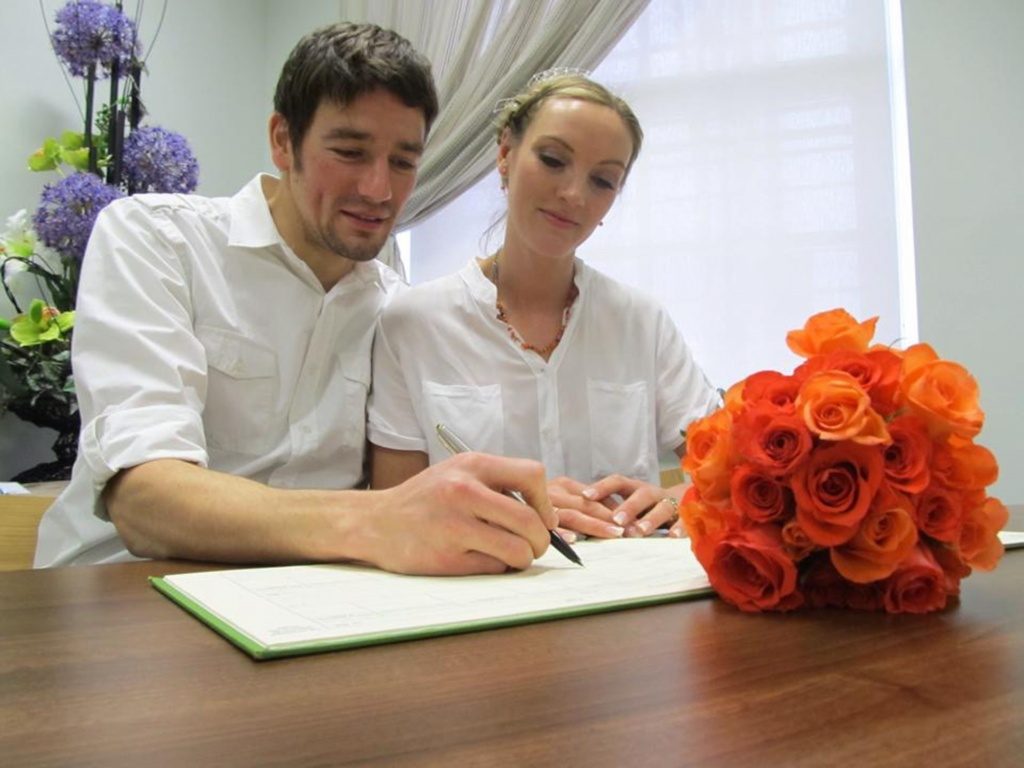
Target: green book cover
(292,610)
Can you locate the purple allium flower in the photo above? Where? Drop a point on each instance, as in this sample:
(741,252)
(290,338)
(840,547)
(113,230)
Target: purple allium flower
(91,32)
(68,209)
(158,160)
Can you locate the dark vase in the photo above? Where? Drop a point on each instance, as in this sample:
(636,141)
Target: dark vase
(62,416)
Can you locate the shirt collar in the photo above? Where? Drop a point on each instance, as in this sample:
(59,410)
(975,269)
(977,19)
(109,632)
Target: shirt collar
(252,226)
(482,289)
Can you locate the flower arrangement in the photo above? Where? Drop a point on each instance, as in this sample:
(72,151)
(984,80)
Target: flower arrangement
(41,255)
(853,482)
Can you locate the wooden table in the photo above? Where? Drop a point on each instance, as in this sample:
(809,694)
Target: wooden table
(97,668)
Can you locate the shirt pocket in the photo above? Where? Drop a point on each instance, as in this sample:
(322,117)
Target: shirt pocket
(241,386)
(356,382)
(474,413)
(619,428)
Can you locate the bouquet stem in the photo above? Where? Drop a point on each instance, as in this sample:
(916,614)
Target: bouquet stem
(90,92)
(115,127)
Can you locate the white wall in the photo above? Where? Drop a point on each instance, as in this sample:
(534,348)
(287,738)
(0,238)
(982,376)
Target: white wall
(214,66)
(204,80)
(965,94)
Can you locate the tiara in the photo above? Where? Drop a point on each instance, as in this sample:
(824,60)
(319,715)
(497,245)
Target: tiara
(547,74)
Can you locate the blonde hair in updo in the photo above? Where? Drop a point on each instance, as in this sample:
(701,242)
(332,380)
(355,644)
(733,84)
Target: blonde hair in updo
(515,113)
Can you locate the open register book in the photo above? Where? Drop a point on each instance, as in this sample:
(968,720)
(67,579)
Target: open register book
(290,610)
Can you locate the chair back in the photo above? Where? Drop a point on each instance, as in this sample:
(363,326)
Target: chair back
(19,523)
(671,476)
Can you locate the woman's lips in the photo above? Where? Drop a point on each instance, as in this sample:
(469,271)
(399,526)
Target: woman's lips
(558,221)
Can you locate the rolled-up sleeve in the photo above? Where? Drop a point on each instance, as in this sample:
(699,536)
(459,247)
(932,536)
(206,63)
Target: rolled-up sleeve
(684,392)
(140,370)
(392,421)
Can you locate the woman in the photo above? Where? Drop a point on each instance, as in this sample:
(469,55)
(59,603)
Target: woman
(531,353)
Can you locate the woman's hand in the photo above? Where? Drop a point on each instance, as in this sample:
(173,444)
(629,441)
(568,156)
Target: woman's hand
(645,507)
(578,514)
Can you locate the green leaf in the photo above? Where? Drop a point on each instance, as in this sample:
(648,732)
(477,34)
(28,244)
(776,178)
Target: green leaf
(50,333)
(35,311)
(39,161)
(72,140)
(5,324)
(65,321)
(47,157)
(76,158)
(10,381)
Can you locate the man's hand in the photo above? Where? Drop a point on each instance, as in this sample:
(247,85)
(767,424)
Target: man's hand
(452,519)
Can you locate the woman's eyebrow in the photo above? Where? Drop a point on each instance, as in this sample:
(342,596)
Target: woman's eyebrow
(568,147)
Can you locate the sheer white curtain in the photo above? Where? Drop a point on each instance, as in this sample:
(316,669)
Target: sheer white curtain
(765,188)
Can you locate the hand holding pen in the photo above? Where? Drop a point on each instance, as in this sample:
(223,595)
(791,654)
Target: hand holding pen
(453,443)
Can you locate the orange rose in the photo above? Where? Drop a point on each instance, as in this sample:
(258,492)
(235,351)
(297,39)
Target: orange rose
(733,398)
(750,569)
(834,407)
(979,541)
(775,441)
(941,392)
(706,526)
(795,541)
(952,566)
(883,540)
(758,496)
(876,371)
(708,448)
(831,331)
(907,459)
(917,585)
(862,368)
(772,387)
(940,513)
(885,389)
(834,489)
(917,356)
(963,465)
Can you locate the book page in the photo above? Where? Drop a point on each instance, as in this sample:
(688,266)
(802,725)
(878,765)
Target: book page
(290,605)
(1012,539)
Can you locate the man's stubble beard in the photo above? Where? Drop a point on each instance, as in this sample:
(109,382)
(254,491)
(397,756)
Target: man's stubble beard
(328,240)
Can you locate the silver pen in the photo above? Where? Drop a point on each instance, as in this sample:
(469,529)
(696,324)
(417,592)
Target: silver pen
(454,444)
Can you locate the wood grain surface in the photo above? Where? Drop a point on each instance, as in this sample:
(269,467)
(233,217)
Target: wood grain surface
(97,668)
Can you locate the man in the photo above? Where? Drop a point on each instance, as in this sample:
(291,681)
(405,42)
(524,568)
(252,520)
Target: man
(222,353)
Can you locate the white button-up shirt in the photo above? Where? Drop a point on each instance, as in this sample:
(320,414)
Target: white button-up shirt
(201,336)
(616,392)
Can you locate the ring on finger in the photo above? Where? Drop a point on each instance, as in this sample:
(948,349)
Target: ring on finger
(674,504)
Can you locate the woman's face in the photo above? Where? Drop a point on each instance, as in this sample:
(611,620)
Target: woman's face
(564,174)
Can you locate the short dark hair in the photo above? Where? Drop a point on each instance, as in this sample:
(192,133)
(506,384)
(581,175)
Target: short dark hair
(343,61)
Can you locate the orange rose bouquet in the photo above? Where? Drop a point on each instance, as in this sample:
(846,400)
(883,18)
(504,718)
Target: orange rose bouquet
(854,482)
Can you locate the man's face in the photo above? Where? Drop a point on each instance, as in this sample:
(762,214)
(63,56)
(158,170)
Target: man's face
(351,176)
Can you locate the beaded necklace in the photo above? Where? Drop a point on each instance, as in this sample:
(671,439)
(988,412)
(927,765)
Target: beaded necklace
(547,349)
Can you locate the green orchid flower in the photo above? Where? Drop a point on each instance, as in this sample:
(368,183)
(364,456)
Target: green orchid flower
(41,324)
(69,149)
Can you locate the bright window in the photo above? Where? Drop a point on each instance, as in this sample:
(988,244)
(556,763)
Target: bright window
(765,189)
